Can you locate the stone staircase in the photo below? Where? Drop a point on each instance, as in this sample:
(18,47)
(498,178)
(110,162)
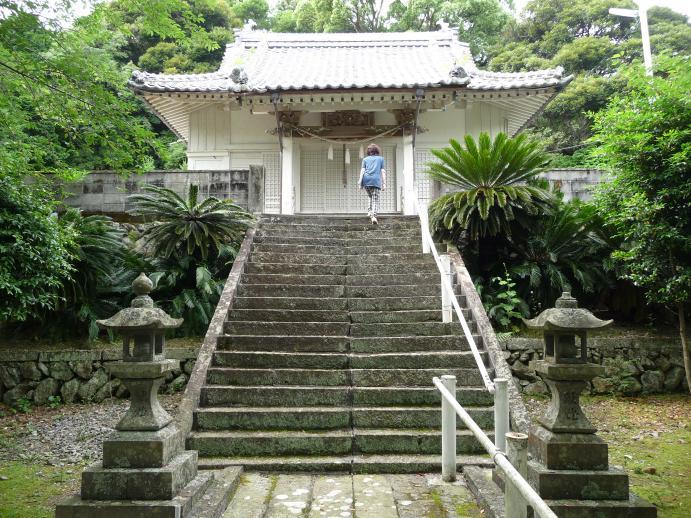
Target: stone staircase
(329,352)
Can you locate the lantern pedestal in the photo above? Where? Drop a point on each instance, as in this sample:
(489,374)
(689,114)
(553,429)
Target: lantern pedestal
(146,472)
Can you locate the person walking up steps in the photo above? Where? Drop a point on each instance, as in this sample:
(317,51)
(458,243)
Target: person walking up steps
(373,179)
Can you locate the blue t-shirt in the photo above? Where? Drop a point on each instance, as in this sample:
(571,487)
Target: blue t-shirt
(372,165)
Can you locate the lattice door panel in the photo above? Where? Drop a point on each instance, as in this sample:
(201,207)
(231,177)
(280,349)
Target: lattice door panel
(272,182)
(426,187)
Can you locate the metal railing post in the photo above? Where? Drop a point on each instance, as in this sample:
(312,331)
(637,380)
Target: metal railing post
(446,306)
(517,452)
(501,412)
(448,432)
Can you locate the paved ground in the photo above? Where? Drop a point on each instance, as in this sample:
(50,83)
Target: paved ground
(350,496)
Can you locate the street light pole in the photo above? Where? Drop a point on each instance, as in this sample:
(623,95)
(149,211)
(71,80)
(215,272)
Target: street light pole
(642,15)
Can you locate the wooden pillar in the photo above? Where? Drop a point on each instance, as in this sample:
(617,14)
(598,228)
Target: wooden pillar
(287,200)
(409,192)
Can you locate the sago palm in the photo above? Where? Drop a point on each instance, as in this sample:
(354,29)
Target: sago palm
(186,226)
(489,181)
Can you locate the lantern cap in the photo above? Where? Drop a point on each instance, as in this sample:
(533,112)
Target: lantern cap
(141,314)
(566,315)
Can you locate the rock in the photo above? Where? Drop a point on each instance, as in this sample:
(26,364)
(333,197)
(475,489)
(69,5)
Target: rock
(538,387)
(652,381)
(523,372)
(20,391)
(189,366)
(505,354)
(630,386)
(629,368)
(29,371)
(61,371)
(603,385)
(647,363)
(524,383)
(177,384)
(9,376)
(48,387)
(88,389)
(663,363)
(106,391)
(169,376)
(43,368)
(650,470)
(673,378)
(69,390)
(83,369)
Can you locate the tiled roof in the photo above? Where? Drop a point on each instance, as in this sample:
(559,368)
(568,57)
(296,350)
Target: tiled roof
(260,62)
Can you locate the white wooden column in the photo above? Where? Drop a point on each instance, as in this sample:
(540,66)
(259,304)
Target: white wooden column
(287,162)
(409,192)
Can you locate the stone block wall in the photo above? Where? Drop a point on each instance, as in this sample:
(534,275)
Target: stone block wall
(635,365)
(107,192)
(575,183)
(75,376)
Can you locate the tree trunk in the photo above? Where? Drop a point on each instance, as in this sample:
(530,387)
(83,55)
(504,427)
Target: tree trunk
(684,344)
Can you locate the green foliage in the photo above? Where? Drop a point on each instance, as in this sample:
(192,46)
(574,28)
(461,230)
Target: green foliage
(188,227)
(34,251)
(54,402)
(502,302)
(563,251)
(23,405)
(644,138)
(490,177)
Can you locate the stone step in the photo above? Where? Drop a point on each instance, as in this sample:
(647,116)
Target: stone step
(281,360)
(292,279)
(291,303)
(395,344)
(289,315)
(633,507)
(402,441)
(387,279)
(416,377)
(276,343)
(406,329)
(325,442)
(368,250)
(272,418)
(270,442)
(324,418)
(257,376)
(305,395)
(288,328)
(408,258)
(365,226)
(369,317)
(415,360)
(277,376)
(415,417)
(346,463)
(283,248)
(399,290)
(293,258)
(388,268)
(343,240)
(296,269)
(290,290)
(227,395)
(416,396)
(432,302)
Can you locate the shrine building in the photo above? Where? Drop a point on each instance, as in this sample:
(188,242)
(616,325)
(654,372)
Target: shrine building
(303,107)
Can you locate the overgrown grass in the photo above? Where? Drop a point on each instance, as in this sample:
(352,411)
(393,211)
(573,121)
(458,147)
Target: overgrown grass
(32,490)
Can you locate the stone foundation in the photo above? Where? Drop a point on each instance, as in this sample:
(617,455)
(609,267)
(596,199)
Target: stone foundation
(634,365)
(75,376)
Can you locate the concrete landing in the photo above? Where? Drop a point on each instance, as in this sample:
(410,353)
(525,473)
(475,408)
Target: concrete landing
(261,495)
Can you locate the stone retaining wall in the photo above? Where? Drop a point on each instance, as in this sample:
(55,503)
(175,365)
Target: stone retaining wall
(576,183)
(635,365)
(75,375)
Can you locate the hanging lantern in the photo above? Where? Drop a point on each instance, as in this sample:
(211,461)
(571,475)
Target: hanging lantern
(330,154)
(347,156)
(361,154)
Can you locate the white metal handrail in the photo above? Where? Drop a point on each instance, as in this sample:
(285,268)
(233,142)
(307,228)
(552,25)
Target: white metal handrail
(513,478)
(427,246)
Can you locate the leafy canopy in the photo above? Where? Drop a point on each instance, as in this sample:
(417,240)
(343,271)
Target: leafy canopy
(187,226)
(491,180)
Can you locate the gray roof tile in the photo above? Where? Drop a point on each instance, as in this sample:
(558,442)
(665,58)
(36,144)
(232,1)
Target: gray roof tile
(259,62)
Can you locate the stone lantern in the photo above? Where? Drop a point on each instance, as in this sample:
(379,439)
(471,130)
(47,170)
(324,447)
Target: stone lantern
(569,464)
(145,469)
